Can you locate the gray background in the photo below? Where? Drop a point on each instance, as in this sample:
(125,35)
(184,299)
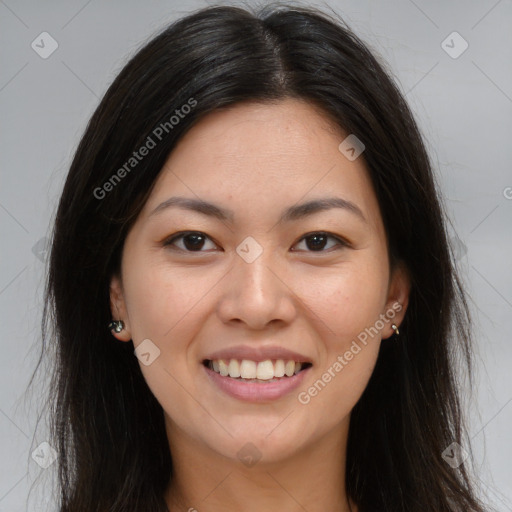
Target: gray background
(464,108)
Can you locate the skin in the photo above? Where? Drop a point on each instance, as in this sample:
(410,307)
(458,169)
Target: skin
(258,159)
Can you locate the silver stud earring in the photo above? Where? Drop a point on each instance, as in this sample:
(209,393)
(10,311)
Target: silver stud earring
(116,326)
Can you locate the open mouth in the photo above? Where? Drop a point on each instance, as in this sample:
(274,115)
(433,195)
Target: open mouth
(256,371)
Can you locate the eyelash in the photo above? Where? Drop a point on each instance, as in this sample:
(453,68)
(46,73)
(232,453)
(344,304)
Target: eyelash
(169,242)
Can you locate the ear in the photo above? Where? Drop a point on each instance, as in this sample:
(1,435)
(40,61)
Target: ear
(118,308)
(398,298)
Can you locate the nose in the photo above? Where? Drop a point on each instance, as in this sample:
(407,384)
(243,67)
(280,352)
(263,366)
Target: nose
(257,293)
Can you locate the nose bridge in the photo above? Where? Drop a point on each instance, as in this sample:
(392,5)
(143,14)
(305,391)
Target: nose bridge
(256,293)
(252,268)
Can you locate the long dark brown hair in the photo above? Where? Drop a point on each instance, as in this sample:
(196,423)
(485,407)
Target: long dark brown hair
(106,425)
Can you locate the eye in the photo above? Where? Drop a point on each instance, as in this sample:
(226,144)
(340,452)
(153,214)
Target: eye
(193,241)
(317,241)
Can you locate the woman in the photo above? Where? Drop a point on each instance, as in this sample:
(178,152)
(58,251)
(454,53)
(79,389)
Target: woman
(253,298)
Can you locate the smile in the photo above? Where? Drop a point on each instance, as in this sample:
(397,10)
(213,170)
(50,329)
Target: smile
(256,381)
(246,369)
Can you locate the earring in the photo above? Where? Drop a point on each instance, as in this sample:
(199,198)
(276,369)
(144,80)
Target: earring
(395,328)
(116,325)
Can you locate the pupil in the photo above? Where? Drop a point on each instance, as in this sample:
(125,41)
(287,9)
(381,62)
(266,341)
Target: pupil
(316,245)
(198,240)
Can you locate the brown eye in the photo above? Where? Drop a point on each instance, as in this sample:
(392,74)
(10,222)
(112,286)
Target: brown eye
(192,241)
(317,242)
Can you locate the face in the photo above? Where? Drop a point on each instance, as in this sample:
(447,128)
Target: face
(315,281)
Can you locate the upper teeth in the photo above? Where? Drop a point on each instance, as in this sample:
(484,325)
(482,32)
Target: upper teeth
(264,370)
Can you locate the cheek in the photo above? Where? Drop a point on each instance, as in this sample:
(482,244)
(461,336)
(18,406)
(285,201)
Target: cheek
(346,299)
(162,306)
(346,303)
(160,298)
(340,383)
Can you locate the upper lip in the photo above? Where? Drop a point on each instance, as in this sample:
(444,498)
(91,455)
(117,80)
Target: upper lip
(258,354)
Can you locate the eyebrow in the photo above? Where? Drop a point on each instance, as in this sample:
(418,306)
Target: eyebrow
(292,213)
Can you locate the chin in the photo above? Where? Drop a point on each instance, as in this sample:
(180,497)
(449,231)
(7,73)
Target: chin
(267,442)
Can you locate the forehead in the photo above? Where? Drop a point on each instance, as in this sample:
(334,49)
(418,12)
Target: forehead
(279,132)
(254,156)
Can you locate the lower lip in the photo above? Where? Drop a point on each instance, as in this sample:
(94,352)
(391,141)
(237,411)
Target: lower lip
(256,391)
